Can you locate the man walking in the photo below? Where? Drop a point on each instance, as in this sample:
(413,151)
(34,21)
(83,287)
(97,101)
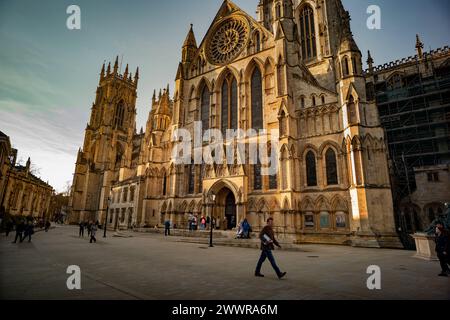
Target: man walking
(443,249)
(167,228)
(267,237)
(93,232)
(81,232)
(20,226)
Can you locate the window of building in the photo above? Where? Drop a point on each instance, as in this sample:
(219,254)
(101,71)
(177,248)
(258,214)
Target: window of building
(311,173)
(278,11)
(309,220)
(125,195)
(164,185)
(257,179)
(330,158)
(302,102)
(257,42)
(229,115)
(314,101)
(119,115)
(433,176)
(256,93)
(283,124)
(345,67)
(132,190)
(341,220)
(307,33)
(354,66)
(324,219)
(205,105)
(191,189)
(323,99)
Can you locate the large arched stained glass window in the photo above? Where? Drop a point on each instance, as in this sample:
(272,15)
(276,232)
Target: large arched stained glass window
(307,33)
(119,115)
(205,103)
(257,110)
(330,158)
(229,115)
(311,174)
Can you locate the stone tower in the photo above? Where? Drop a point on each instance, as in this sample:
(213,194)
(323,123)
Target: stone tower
(107,148)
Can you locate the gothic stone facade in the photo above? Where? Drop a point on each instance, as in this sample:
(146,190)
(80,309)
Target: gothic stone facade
(21,192)
(295,69)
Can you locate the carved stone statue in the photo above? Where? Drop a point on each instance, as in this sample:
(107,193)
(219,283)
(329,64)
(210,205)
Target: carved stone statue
(442,219)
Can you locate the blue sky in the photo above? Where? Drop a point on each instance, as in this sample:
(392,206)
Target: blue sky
(49,74)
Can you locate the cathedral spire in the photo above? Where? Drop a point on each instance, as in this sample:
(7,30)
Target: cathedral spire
(370,61)
(116,65)
(190,38)
(419,47)
(189,46)
(136,77)
(108,71)
(154,97)
(102,73)
(125,75)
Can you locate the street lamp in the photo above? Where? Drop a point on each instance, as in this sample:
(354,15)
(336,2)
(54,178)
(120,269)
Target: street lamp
(106,216)
(213,198)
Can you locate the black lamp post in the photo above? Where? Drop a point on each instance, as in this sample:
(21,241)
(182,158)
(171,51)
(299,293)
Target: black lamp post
(106,216)
(211,226)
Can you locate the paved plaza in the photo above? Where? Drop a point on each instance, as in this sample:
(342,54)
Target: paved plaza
(150,266)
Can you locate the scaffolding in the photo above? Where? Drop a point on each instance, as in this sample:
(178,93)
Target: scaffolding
(416,118)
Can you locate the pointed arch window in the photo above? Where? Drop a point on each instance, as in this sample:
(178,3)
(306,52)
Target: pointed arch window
(257,42)
(354,66)
(345,67)
(352,116)
(278,11)
(256,93)
(331,165)
(283,124)
(205,105)
(164,185)
(191,187)
(200,177)
(307,33)
(311,174)
(229,113)
(273,178)
(119,115)
(257,178)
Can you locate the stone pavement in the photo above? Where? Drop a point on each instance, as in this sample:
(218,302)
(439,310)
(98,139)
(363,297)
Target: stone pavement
(150,266)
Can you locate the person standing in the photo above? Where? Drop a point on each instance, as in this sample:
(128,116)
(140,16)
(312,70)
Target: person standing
(267,237)
(47,225)
(443,249)
(9,227)
(167,228)
(29,231)
(20,226)
(93,232)
(88,227)
(81,232)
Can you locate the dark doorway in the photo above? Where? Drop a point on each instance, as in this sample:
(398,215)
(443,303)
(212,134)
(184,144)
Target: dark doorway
(230,211)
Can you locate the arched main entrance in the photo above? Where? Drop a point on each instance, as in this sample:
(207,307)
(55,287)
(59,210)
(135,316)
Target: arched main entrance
(230,211)
(225,209)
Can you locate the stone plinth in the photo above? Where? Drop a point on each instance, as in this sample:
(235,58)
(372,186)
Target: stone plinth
(425,247)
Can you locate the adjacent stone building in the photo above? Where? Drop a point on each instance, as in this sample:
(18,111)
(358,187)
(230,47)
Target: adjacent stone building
(22,193)
(413,99)
(295,69)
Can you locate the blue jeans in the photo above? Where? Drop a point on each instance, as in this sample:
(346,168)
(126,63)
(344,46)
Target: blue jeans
(267,254)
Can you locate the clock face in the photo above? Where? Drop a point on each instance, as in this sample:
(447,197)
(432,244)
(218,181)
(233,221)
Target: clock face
(228,40)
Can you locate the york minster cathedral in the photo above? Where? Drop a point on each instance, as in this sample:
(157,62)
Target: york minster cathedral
(296,69)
